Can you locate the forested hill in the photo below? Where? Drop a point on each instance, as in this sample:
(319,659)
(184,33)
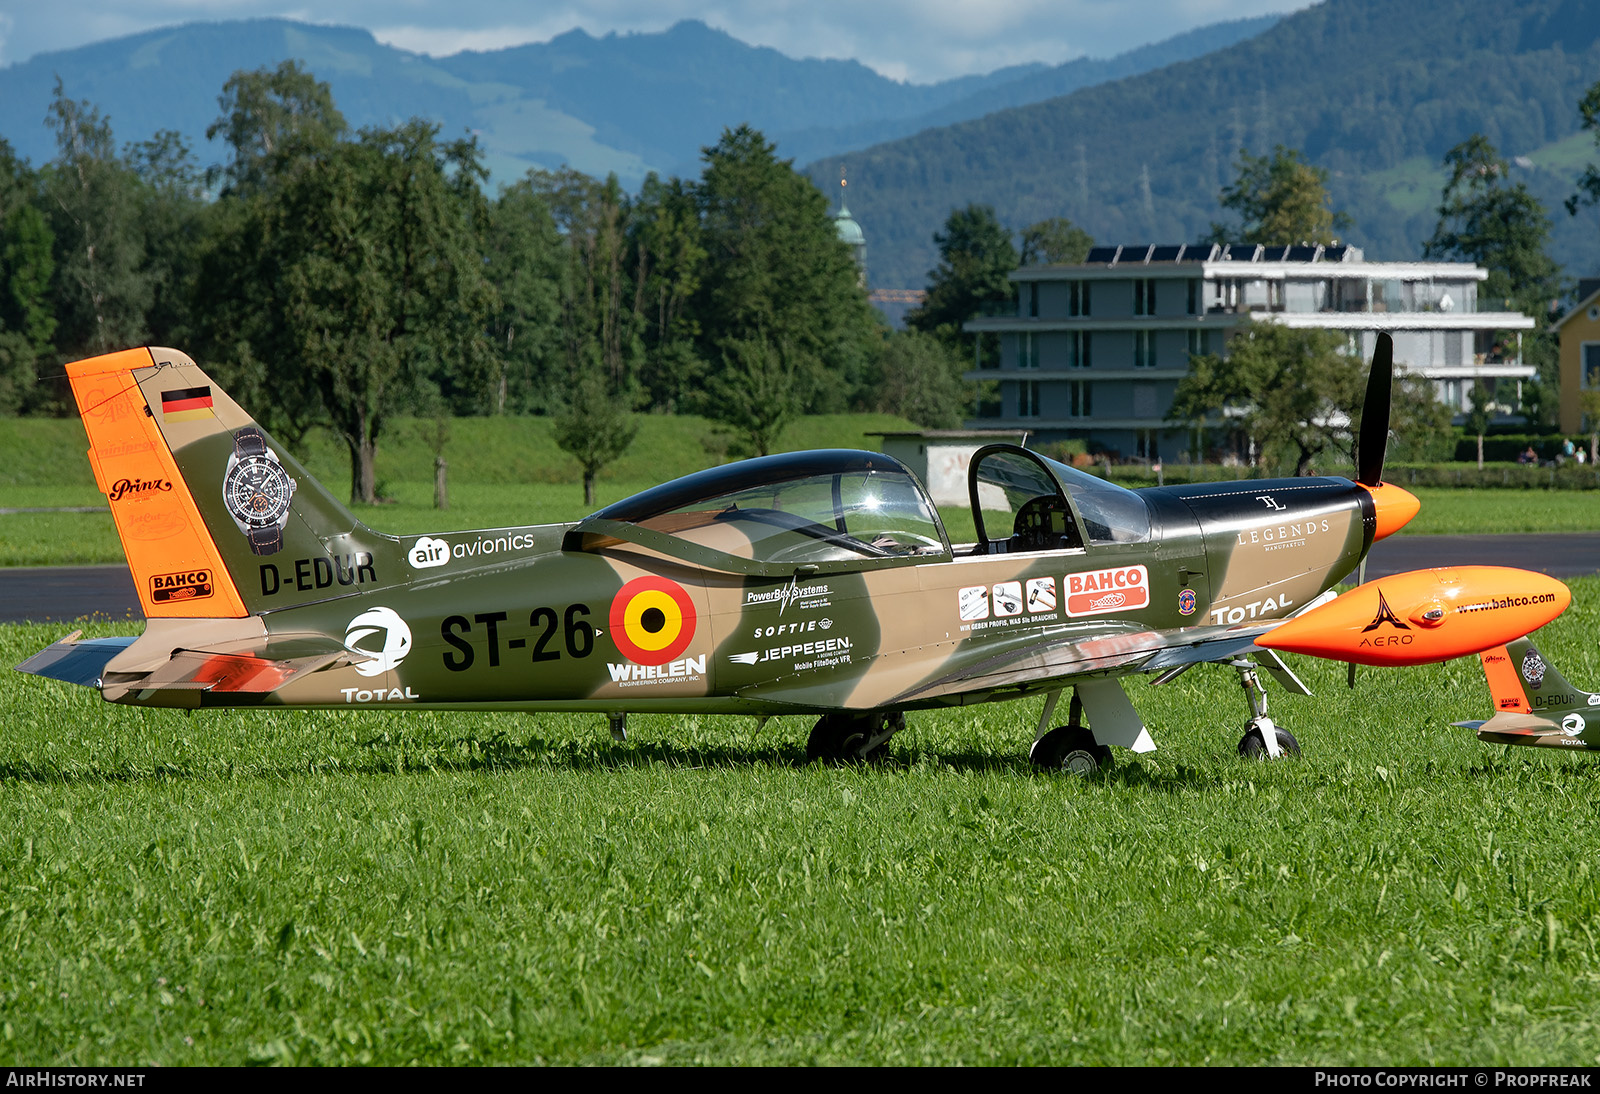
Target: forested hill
(1373,90)
(628,103)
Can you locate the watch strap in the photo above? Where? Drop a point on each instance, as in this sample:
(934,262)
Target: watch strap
(268,540)
(249,441)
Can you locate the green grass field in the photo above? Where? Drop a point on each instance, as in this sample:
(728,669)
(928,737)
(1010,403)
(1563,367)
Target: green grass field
(438,888)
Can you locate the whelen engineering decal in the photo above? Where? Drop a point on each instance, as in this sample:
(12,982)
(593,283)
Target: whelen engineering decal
(652,622)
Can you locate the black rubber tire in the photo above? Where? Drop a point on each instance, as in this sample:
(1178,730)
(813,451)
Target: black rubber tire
(837,738)
(1254,746)
(1072,749)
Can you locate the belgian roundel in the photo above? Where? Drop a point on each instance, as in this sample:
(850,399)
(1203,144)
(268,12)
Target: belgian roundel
(652,620)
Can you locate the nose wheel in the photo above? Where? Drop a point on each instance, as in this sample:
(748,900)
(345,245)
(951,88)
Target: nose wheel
(1263,739)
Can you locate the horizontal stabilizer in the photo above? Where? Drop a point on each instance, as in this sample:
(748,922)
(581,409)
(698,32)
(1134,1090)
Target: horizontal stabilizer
(1529,725)
(75,660)
(232,672)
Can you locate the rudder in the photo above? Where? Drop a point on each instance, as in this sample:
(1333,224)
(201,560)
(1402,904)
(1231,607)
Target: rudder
(216,519)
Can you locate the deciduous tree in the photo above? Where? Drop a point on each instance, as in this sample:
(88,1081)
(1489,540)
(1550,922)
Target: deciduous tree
(1296,394)
(1055,241)
(92,198)
(776,270)
(1282,200)
(27,325)
(919,377)
(973,276)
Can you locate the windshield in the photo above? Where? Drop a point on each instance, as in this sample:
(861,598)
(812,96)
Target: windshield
(1111,513)
(1020,496)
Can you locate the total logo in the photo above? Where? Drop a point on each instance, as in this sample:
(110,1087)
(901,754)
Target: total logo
(383,636)
(1572,725)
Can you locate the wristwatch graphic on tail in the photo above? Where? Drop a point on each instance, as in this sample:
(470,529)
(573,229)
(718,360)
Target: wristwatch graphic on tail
(256,490)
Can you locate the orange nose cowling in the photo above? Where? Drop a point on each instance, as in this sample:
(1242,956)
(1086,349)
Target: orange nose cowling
(1395,507)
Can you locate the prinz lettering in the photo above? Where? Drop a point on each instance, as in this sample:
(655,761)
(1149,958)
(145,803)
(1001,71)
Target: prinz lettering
(125,487)
(311,574)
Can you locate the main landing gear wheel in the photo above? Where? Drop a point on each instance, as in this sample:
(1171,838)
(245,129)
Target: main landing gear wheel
(1072,749)
(847,738)
(1254,744)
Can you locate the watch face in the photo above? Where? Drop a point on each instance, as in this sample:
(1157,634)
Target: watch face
(257,492)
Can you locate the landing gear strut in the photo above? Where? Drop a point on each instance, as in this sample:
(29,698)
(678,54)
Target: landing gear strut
(845,737)
(1071,747)
(1263,740)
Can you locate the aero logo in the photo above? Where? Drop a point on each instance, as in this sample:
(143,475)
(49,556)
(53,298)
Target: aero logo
(652,620)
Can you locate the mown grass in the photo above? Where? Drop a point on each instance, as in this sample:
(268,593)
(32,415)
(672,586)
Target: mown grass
(449,888)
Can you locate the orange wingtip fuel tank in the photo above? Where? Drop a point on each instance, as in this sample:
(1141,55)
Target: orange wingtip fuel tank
(1423,616)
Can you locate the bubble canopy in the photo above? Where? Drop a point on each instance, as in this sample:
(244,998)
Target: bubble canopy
(829,508)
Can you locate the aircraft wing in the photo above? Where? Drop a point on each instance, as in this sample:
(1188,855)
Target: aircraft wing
(1114,650)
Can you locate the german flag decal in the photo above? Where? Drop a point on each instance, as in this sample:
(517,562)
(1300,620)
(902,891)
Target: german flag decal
(652,620)
(186,404)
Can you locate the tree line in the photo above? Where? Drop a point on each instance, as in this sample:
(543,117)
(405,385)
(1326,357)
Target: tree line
(340,279)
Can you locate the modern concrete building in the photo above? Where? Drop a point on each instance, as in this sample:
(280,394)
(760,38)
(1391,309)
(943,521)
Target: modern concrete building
(1095,351)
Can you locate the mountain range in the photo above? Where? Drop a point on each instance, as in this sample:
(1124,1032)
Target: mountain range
(1373,91)
(1134,148)
(630,103)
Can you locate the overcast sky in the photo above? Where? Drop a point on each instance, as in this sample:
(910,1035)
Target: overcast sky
(917,40)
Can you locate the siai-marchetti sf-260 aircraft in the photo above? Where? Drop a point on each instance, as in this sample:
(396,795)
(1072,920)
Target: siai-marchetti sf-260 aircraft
(819,583)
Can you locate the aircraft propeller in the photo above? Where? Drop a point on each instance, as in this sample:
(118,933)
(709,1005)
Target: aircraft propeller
(1374,437)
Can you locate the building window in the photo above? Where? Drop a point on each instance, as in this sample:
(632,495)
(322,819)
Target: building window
(1031,290)
(1144,349)
(1078,342)
(1199,343)
(1144,296)
(1078,298)
(1194,296)
(1589,370)
(1078,392)
(1027,351)
(1028,399)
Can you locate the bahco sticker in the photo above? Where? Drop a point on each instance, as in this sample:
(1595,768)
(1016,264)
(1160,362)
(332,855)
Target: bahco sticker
(1101,591)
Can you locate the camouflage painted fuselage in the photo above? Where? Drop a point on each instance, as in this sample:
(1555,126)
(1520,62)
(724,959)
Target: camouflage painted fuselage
(261,589)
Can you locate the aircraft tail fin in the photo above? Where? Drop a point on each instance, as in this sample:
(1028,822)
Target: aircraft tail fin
(216,518)
(1522,681)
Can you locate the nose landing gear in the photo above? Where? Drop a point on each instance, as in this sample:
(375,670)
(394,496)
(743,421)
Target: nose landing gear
(1263,739)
